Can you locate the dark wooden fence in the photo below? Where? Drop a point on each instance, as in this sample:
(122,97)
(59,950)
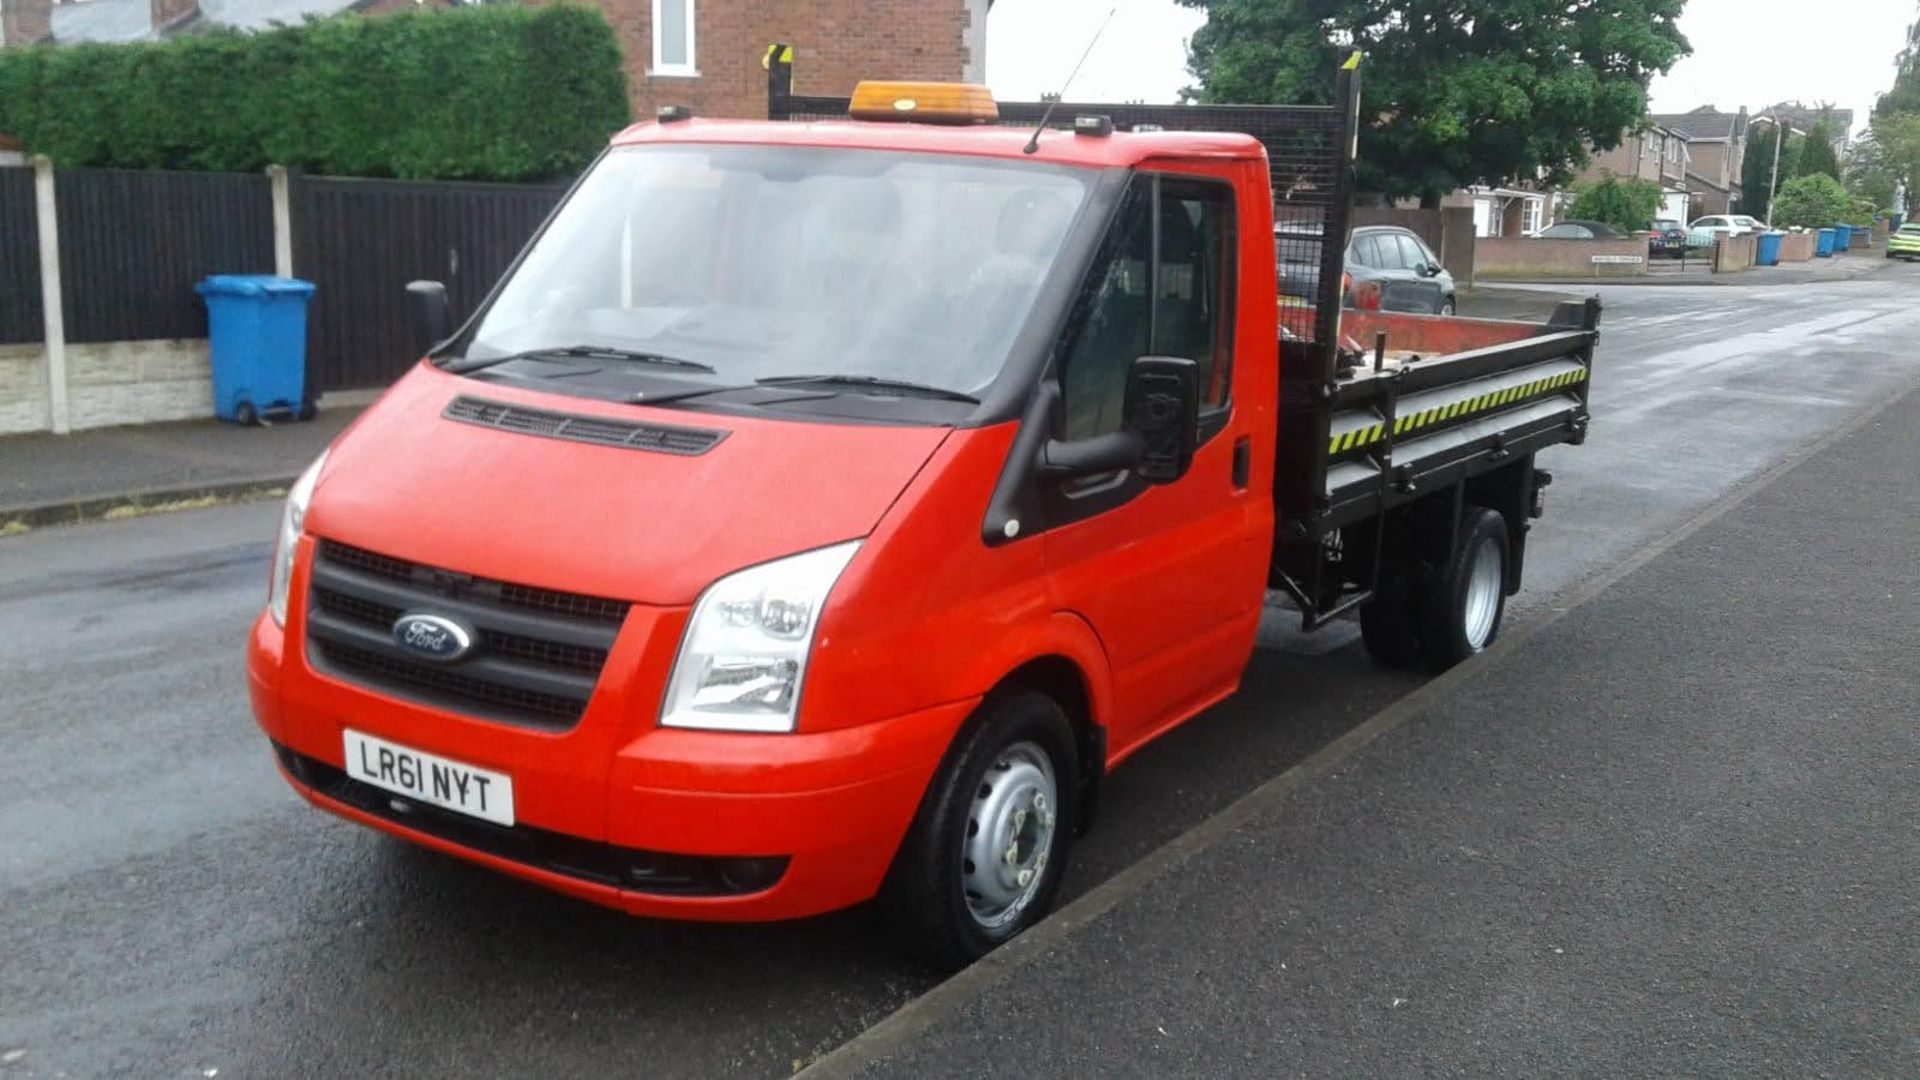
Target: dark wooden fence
(21,316)
(133,243)
(361,241)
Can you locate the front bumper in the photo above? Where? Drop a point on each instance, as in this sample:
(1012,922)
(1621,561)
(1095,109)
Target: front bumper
(1903,247)
(620,811)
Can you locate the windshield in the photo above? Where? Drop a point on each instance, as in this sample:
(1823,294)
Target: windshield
(761,262)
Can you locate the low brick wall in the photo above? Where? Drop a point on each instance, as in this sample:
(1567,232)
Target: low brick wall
(120,382)
(1732,254)
(1519,258)
(1798,247)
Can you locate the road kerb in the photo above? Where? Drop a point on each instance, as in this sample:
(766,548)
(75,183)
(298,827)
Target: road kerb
(96,507)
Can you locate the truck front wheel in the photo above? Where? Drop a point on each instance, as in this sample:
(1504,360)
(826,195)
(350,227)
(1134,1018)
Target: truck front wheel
(1468,597)
(988,847)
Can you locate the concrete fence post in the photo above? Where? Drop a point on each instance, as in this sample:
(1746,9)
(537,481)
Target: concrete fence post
(282,221)
(55,323)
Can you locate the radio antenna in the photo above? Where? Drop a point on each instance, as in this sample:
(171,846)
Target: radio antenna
(1033,144)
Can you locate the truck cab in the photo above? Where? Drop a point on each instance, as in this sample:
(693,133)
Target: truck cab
(814,513)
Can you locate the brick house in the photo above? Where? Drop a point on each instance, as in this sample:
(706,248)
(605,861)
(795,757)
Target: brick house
(1654,153)
(1716,142)
(706,54)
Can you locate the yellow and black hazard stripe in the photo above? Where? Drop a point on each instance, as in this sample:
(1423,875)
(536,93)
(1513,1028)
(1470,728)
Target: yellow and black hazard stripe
(1368,434)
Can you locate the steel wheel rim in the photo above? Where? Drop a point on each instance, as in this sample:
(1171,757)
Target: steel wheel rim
(1483,595)
(1009,835)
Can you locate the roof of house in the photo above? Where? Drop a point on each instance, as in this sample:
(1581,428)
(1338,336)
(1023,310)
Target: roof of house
(131,20)
(1705,124)
(1805,116)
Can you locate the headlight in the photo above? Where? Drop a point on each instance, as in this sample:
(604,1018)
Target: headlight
(745,651)
(291,521)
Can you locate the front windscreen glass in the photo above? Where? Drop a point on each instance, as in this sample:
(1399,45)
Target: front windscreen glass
(766,262)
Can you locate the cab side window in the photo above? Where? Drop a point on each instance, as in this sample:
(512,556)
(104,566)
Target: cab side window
(1161,286)
(1194,310)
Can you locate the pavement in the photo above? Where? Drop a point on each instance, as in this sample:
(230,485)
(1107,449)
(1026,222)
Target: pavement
(171,908)
(1811,272)
(1672,831)
(50,479)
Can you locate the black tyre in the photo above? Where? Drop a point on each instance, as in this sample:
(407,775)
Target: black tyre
(1448,308)
(987,850)
(245,414)
(1387,622)
(308,410)
(1466,599)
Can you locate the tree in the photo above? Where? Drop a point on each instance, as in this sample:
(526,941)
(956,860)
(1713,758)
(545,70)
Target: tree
(1816,150)
(1814,201)
(1456,92)
(1868,176)
(1905,95)
(1897,135)
(1627,205)
(1756,169)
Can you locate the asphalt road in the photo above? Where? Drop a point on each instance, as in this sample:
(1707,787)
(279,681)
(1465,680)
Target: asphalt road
(167,907)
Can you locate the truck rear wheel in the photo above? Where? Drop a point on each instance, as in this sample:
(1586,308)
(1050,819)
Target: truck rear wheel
(987,850)
(1467,598)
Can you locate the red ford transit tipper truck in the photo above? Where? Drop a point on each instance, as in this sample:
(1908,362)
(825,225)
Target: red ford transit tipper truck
(820,507)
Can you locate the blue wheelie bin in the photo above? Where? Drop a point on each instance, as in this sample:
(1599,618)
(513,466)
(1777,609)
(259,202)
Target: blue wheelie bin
(1842,238)
(1824,246)
(257,324)
(1767,251)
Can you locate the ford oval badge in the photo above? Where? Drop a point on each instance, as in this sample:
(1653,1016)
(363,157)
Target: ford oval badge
(432,637)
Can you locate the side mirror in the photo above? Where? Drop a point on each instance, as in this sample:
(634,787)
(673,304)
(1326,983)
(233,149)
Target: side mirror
(1163,410)
(432,319)
(1429,270)
(1160,423)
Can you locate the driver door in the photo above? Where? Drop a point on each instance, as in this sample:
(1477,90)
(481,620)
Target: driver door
(1171,577)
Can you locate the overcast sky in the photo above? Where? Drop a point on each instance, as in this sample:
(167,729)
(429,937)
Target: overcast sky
(1739,58)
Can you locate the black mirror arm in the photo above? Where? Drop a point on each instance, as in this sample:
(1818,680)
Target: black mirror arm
(1089,457)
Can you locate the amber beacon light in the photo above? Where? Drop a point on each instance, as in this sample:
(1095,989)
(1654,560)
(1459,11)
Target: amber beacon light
(924,102)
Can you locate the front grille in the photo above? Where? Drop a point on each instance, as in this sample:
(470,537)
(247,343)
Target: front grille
(536,653)
(572,427)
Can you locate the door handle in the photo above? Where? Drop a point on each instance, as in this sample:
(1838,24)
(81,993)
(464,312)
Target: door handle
(1242,461)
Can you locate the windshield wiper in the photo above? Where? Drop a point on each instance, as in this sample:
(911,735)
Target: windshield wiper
(604,352)
(873,382)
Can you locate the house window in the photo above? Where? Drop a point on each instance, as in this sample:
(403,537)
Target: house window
(673,38)
(1530,217)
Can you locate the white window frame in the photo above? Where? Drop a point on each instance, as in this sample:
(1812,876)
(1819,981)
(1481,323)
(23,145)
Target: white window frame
(1531,211)
(688,70)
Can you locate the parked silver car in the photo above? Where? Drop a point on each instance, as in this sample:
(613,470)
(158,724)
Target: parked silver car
(1387,267)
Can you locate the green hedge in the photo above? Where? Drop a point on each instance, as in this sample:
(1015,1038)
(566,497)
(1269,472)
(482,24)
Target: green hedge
(489,93)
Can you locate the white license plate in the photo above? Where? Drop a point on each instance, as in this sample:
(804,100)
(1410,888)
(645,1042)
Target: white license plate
(430,778)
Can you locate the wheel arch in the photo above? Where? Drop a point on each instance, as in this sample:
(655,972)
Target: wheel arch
(1067,662)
